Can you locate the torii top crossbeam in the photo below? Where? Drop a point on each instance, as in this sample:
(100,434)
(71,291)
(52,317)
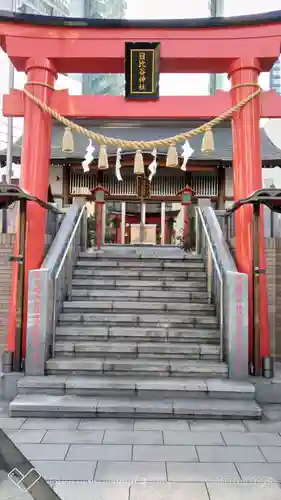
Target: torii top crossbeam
(98,46)
(86,45)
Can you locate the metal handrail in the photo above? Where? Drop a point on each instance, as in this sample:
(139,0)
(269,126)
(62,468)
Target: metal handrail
(66,253)
(212,258)
(73,234)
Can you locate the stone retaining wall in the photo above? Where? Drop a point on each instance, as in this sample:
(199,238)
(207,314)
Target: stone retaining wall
(273,262)
(6,250)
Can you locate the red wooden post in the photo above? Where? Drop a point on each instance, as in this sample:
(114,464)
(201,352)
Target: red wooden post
(185,224)
(99,192)
(99,223)
(186,194)
(35,165)
(118,230)
(247,178)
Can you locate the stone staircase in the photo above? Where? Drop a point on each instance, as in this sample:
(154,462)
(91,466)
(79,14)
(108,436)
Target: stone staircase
(138,339)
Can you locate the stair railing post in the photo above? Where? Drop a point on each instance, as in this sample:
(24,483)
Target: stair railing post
(221,306)
(54,318)
(197,232)
(69,271)
(209,274)
(83,231)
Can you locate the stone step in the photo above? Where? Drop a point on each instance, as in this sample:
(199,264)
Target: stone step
(140,253)
(124,349)
(149,388)
(148,274)
(179,308)
(140,295)
(43,405)
(164,285)
(141,367)
(160,320)
(144,264)
(140,334)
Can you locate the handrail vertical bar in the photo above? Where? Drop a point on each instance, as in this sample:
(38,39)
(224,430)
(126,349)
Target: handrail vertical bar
(69,271)
(221,320)
(76,241)
(54,322)
(212,265)
(209,275)
(197,230)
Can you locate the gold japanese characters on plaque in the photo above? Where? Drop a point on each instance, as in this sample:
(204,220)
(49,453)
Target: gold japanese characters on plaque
(142,69)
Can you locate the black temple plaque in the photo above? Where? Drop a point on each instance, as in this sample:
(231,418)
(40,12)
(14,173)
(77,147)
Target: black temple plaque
(142,70)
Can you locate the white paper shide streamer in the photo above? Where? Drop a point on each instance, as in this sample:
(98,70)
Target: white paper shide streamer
(153,165)
(88,158)
(186,154)
(118,165)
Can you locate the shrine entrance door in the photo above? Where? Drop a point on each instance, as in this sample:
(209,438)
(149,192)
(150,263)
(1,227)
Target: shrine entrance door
(138,222)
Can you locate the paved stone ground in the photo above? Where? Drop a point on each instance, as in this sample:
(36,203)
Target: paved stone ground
(106,459)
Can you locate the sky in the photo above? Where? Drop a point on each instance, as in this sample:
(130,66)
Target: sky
(191,84)
(161,9)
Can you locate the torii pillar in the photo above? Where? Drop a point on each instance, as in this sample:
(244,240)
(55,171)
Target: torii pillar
(247,178)
(34,178)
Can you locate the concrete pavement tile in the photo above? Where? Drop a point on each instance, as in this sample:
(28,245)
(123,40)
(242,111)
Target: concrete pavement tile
(272,412)
(104,452)
(273,415)
(262,426)
(230,454)
(25,436)
(92,491)
(260,473)
(4,409)
(162,453)
(251,439)
(193,438)
(51,423)
(272,406)
(9,491)
(106,423)
(201,472)
(130,471)
(156,424)
(244,491)
(217,425)
(65,471)
(168,491)
(44,451)
(72,437)
(11,423)
(271,453)
(133,437)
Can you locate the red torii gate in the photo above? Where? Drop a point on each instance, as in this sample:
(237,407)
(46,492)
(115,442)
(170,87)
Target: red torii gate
(43,47)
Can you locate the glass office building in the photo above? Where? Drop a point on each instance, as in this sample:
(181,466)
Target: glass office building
(43,7)
(110,9)
(275,78)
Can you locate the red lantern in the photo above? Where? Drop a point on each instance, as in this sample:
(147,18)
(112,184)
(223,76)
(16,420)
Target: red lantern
(186,195)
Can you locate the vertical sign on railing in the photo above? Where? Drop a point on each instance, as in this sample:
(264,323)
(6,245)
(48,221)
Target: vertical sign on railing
(37,322)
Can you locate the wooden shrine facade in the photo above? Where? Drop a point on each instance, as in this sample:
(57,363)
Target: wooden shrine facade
(164,186)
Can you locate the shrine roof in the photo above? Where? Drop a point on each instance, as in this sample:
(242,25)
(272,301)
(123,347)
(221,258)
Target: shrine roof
(78,22)
(222,138)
